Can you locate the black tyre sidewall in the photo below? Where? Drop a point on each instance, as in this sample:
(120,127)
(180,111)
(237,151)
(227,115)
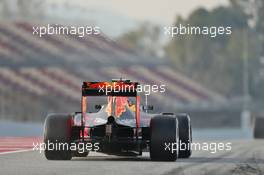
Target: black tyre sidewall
(259,128)
(57,129)
(164,129)
(185,134)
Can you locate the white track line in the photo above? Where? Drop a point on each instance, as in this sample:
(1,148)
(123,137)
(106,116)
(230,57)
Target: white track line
(3,145)
(16,148)
(18,151)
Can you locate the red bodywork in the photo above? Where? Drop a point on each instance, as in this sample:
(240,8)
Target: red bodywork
(121,101)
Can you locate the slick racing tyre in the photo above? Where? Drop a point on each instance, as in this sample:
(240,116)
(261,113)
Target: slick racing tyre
(259,128)
(164,132)
(57,131)
(185,135)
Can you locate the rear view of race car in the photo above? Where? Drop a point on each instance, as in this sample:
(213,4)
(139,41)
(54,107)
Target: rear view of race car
(121,126)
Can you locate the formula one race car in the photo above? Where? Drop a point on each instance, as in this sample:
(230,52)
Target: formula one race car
(120,127)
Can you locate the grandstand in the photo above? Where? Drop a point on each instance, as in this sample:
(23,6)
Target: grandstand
(41,75)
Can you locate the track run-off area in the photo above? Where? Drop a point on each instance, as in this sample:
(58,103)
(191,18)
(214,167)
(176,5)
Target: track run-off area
(18,157)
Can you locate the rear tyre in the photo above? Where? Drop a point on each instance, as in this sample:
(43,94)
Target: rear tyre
(57,131)
(185,135)
(259,128)
(164,131)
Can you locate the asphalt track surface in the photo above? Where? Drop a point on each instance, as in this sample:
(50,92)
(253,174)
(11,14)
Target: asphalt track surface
(246,158)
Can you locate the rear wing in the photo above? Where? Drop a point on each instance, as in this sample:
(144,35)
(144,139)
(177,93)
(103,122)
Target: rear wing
(118,88)
(114,88)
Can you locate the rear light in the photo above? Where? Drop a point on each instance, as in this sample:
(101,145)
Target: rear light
(86,133)
(139,133)
(108,130)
